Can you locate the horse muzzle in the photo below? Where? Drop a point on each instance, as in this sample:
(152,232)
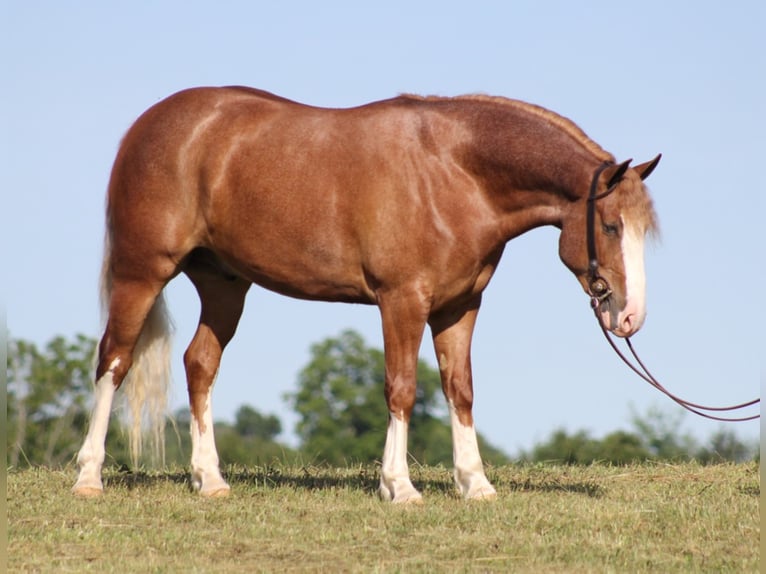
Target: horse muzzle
(622,323)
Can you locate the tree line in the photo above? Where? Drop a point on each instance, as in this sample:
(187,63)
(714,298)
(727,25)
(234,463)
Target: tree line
(342,418)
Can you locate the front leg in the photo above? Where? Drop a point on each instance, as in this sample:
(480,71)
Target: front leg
(404,315)
(452,332)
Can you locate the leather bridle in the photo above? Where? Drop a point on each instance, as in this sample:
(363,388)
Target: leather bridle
(600,292)
(598,287)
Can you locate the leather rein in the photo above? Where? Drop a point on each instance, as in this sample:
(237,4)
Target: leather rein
(600,293)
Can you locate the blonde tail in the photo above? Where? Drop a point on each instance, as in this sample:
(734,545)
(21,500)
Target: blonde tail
(147,384)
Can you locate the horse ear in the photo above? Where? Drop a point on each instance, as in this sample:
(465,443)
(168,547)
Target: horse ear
(645,169)
(615,173)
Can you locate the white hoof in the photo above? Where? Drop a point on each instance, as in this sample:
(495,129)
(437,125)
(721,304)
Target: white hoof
(210,484)
(218,492)
(87,491)
(484,493)
(474,485)
(88,484)
(399,491)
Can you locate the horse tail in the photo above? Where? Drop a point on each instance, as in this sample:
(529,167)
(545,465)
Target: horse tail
(148,381)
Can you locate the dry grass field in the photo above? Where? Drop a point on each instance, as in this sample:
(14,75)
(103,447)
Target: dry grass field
(643,518)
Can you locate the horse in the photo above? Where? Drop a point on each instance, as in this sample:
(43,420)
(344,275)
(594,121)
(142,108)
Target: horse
(405,203)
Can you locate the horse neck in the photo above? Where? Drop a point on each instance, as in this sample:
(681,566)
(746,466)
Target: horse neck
(532,163)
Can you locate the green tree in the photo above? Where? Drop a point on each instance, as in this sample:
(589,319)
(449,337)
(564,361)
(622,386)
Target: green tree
(343,416)
(661,435)
(725,446)
(657,436)
(621,447)
(618,447)
(564,448)
(48,392)
(251,439)
(248,422)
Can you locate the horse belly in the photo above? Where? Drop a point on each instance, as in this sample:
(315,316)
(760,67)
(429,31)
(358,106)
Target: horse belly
(301,277)
(300,256)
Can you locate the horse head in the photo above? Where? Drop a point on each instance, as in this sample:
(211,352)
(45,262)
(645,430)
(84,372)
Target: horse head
(602,243)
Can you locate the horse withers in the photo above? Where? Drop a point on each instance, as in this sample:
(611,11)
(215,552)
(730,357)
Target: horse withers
(406,204)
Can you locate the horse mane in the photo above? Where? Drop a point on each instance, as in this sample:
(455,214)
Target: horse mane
(565,124)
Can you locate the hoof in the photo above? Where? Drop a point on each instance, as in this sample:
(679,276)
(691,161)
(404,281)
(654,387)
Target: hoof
(486,493)
(222,492)
(410,497)
(411,501)
(87,491)
(405,494)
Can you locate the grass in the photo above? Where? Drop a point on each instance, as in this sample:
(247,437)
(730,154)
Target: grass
(644,518)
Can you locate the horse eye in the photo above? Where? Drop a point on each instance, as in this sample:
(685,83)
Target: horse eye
(610,228)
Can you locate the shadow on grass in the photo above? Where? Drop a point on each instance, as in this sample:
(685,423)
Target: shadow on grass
(130,479)
(589,489)
(304,478)
(364,478)
(268,477)
(750,490)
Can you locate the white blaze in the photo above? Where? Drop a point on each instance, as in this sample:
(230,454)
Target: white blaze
(635,281)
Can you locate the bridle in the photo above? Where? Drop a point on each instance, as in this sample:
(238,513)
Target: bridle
(598,287)
(600,292)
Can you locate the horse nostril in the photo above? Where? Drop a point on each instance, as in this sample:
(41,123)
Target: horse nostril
(628,322)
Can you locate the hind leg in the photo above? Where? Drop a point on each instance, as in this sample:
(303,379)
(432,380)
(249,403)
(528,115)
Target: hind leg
(129,306)
(222,300)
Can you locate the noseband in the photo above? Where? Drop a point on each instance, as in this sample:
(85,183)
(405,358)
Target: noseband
(600,291)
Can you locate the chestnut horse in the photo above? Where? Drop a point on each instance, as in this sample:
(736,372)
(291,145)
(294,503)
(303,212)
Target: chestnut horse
(406,204)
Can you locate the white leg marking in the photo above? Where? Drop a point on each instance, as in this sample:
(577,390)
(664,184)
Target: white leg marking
(469,470)
(395,485)
(635,281)
(206,477)
(90,459)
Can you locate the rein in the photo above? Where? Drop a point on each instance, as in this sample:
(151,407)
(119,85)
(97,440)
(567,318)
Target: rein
(600,292)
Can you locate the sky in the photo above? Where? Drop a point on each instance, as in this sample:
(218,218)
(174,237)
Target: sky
(683,78)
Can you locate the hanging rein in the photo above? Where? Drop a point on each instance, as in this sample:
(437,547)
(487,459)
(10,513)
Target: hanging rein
(600,292)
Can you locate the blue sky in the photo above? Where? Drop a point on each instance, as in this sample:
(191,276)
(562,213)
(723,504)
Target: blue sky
(684,78)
